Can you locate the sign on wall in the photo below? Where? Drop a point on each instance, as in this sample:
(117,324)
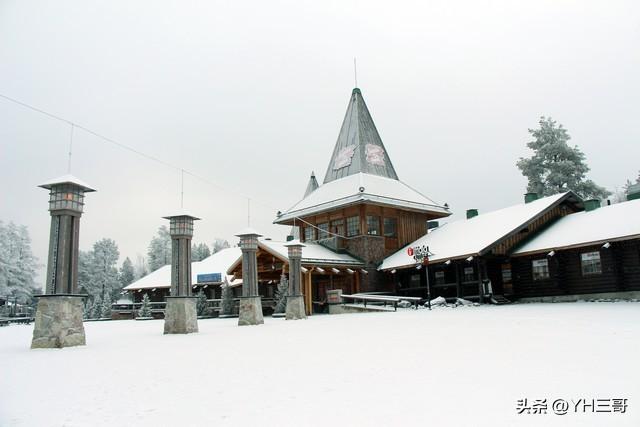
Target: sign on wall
(343,158)
(419,253)
(209,277)
(375,154)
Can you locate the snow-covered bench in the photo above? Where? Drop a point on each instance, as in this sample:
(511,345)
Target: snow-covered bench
(384,299)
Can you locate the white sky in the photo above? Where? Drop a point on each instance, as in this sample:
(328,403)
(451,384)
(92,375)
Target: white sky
(251,95)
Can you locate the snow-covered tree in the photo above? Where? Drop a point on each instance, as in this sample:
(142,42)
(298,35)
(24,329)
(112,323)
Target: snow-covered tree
(104,269)
(555,167)
(18,265)
(140,269)
(105,310)
(127,275)
(97,308)
(219,244)
(200,252)
(201,304)
(87,313)
(281,295)
(159,252)
(145,309)
(227,299)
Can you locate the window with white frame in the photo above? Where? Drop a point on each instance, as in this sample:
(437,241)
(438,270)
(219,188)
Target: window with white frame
(323,230)
(591,263)
(353,226)
(540,269)
(309,234)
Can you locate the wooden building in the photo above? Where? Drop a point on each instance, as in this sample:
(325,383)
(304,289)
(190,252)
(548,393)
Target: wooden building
(470,258)
(322,269)
(362,208)
(592,252)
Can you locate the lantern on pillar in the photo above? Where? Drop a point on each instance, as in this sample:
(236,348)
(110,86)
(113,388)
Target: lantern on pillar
(58,320)
(295,302)
(251,303)
(180,312)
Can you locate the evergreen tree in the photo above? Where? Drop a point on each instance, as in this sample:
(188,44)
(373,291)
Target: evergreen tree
(145,309)
(159,252)
(104,269)
(200,252)
(281,295)
(227,299)
(97,308)
(127,275)
(105,310)
(201,305)
(555,167)
(18,265)
(88,309)
(140,269)
(218,245)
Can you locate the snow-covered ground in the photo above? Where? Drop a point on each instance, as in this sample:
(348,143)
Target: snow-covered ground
(465,366)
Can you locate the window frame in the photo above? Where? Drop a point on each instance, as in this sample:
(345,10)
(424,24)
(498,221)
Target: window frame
(597,263)
(536,276)
(388,221)
(375,220)
(350,223)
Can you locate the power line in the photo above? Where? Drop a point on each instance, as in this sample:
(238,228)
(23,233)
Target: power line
(183,171)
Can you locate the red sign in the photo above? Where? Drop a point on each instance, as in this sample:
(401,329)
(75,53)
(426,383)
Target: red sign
(410,251)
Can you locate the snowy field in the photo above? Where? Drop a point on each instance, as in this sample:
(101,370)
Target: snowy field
(466,366)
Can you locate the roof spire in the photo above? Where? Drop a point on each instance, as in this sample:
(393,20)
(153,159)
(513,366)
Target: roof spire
(359,148)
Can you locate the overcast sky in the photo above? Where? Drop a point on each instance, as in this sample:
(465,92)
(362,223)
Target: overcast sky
(251,96)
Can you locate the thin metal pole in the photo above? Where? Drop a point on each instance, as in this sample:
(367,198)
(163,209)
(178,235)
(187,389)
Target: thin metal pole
(355,71)
(426,271)
(181,188)
(70,148)
(248,212)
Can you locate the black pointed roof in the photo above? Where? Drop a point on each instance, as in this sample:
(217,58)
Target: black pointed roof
(359,147)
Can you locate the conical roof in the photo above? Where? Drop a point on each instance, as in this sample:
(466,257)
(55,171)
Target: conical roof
(312,185)
(359,147)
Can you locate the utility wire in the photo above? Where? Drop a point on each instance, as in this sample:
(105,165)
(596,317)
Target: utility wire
(157,160)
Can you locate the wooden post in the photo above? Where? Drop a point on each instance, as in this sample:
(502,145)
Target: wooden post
(357,281)
(307,292)
(458,285)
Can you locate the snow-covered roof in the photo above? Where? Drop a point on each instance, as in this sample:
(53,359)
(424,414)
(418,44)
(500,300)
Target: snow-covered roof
(473,236)
(67,179)
(248,231)
(181,212)
(312,253)
(216,263)
(362,187)
(616,222)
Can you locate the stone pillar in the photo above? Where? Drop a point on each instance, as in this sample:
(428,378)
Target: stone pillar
(295,301)
(180,315)
(58,320)
(250,302)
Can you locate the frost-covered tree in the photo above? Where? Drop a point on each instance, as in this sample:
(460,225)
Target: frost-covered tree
(18,265)
(227,299)
(218,245)
(145,308)
(281,295)
(555,167)
(201,304)
(105,309)
(97,308)
(159,252)
(104,269)
(200,252)
(140,269)
(87,313)
(127,275)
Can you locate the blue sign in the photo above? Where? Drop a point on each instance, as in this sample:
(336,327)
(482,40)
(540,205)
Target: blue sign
(210,277)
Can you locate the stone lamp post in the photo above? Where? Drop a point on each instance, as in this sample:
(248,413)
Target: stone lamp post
(58,321)
(295,301)
(250,302)
(180,313)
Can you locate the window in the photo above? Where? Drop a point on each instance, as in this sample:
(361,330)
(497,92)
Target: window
(373,225)
(390,227)
(506,273)
(469,274)
(353,226)
(337,227)
(439,277)
(323,230)
(591,263)
(540,268)
(309,234)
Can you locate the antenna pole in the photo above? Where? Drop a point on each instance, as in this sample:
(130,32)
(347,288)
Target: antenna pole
(181,188)
(355,71)
(70,148)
